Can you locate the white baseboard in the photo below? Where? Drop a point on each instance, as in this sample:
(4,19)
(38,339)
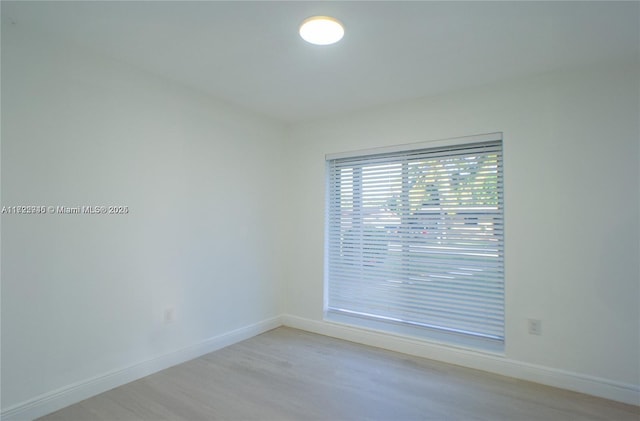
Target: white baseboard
(626,393)
(68,395)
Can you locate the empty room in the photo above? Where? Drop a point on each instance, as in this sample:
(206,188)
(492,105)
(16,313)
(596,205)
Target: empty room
(320,210)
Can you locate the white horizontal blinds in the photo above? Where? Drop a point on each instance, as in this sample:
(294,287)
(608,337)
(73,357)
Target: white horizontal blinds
(416,237)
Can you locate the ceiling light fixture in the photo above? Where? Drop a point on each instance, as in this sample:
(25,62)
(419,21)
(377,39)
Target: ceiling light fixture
(321,30)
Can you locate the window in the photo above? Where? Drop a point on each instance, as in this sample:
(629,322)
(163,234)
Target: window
(414,240)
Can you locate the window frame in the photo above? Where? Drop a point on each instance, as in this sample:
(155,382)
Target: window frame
(404,328)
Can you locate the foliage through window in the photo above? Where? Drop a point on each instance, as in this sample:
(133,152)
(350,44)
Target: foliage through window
(415,238)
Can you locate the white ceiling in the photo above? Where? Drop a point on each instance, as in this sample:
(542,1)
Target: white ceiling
(249,53)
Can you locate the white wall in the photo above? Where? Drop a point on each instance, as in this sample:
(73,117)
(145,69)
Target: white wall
(571,209)
(85,295)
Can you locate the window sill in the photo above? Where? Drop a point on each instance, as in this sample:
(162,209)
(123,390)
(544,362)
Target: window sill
(415,333)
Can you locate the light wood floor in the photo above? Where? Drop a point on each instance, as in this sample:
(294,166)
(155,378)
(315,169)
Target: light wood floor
(287,374)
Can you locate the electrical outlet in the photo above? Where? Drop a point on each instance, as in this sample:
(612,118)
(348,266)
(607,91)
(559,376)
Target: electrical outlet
(535,327)
(169,315)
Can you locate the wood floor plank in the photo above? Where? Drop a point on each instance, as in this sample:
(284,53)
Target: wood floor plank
(287,374)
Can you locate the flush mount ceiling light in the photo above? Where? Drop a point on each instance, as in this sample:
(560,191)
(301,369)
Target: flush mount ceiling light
(321,30)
